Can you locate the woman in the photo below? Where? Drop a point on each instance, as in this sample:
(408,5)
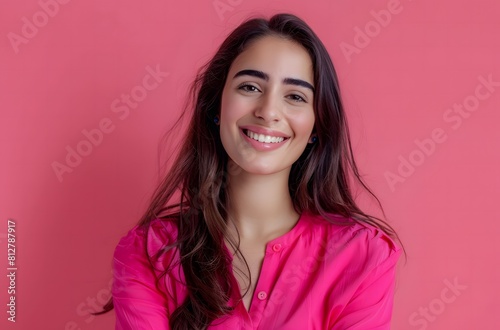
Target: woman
(265,233)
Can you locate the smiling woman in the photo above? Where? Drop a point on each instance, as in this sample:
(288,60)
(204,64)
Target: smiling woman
(266,234)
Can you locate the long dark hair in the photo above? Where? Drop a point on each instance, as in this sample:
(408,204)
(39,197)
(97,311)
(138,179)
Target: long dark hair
(318,181)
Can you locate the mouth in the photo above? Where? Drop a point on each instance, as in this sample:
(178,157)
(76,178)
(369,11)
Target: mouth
(264,138)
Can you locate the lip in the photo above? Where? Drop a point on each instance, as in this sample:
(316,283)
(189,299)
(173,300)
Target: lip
(261,146)
(265,131)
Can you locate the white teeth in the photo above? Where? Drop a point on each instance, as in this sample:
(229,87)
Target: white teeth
(264,138)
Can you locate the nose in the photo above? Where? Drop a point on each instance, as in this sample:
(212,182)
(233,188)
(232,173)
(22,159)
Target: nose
(269,108)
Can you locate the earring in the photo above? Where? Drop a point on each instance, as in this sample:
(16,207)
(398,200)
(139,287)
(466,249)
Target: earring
(314,139)
(216,120)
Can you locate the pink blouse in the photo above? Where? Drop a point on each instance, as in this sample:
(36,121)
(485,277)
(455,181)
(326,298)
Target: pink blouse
(316,276)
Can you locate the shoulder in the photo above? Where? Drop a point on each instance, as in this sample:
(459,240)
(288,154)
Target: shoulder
(145,240)
(355,242)
(140,299)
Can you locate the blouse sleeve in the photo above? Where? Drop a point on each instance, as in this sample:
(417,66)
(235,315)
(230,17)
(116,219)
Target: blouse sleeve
(370,308)
(137,302)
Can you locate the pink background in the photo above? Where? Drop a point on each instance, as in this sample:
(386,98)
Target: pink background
(400,83)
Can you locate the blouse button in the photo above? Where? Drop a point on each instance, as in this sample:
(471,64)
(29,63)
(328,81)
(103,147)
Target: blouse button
(277,247)
(262,295)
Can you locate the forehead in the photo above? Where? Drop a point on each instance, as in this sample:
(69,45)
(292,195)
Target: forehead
(277,57)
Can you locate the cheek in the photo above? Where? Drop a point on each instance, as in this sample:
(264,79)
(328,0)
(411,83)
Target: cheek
(229,107)
(230,112)
(304,124)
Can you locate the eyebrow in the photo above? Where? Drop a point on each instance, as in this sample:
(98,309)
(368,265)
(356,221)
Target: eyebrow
(265,76)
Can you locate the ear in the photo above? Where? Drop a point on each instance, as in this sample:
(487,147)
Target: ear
(313,138)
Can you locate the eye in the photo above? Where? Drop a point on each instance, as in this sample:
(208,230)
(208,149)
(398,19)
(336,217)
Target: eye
(248,88)
(297,98)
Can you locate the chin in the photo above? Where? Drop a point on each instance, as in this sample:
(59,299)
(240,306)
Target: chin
(262,169)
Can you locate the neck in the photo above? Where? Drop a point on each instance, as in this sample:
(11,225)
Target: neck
(260,206)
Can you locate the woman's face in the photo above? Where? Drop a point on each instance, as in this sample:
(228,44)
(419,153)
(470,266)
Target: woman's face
(269,91)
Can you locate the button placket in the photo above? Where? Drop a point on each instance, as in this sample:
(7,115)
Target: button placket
(262,288)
